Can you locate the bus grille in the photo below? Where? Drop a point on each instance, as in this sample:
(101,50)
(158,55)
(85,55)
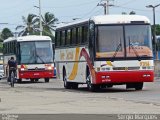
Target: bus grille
(126,68)
(36,69)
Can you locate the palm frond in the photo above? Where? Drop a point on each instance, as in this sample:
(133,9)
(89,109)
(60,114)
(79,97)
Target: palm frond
(24,20)
(20,27)
(21,33)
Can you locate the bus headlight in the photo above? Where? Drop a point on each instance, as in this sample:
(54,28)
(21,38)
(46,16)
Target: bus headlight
(22,69)
(49,68)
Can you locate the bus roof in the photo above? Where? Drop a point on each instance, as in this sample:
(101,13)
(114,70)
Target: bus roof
(28,38)
(110,19)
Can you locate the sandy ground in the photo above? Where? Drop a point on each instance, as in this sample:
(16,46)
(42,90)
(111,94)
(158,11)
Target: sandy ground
(52,98)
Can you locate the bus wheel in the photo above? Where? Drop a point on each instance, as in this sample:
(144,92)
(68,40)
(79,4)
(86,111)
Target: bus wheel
(91,87)
(139,86)
(32,80)
(109,85)
(75,85)
(46,80)
(67,85)
(36,80)
(19,80)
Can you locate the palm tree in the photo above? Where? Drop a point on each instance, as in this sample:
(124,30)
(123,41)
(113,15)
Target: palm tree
(48,24)
(30,26)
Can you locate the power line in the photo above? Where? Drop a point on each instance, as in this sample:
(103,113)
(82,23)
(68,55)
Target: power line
(132,8)
(18,13)
(83,15)
(89,12)
(73,5)
(127,2)
(15,6)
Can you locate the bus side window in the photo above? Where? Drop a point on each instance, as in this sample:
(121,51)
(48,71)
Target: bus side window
(4,48)
(62,38)
(73,36)
(65,38)
(7,47)
(58,38)
(68,38)
(79,35)
(14,47)
(84,34)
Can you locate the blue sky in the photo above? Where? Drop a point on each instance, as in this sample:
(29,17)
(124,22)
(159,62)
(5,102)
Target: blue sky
(11,11)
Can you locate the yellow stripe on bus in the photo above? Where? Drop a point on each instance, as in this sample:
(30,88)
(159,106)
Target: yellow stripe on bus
(75,66)
(109,63)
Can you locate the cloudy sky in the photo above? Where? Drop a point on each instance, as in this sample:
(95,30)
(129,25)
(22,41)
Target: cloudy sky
(11,11)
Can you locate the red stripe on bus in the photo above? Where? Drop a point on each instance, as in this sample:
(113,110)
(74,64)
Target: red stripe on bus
(124,76)
(36,74)
(91,68)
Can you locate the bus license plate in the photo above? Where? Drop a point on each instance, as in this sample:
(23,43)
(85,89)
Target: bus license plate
(36,73)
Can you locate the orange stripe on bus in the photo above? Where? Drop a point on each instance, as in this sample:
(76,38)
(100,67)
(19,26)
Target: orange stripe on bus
(75,66)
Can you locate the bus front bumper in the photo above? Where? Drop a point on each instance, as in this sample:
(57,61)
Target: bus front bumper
(124,76)
(36,74)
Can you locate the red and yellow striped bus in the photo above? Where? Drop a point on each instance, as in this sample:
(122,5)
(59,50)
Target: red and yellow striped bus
(34,56)
(104,51)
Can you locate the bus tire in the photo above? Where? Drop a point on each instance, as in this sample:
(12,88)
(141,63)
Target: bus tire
(92,87)
(75,85)
(36,80)
(46,80)
(19,80)
(67,85)
(32,80)
(139,86)
(109,85)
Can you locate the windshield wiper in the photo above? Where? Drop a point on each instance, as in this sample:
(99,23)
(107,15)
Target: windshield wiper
(134,50)
(40,58)
(117,49)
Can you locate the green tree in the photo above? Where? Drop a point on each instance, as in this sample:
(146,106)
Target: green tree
(1,40)
(6,33)
(48,23)
(1,47)
(30,25)
(157,29)
(132,13)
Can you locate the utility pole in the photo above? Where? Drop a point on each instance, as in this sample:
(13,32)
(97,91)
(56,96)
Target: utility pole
(154,28)
(106,6)
(40,18)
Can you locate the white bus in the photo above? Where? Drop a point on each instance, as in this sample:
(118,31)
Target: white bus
(103,51)
(34,56)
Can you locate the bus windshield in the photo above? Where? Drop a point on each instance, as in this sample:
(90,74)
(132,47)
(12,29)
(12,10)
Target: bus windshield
(36,52)
(124,40)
